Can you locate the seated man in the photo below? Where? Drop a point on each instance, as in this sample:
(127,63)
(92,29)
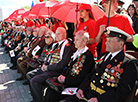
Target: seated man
(115,74)
(56,61)
(81,64)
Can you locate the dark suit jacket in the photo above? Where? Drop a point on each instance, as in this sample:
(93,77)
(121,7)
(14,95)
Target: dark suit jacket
(88,66)
(125,82)
(41,43)
(58,67)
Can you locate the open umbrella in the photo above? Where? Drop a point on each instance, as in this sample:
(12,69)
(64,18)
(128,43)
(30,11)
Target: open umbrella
(42,8)
(65,11)
(15,14)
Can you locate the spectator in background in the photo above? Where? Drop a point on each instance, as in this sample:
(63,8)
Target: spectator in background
(116,20)
(136,3)
(134,16)
(87,24)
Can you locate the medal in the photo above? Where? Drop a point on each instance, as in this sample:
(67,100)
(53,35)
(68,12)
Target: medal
(108,84)
(105,74)
(96,73)
(108,76)
(112,78)
(113,85)
(101,81)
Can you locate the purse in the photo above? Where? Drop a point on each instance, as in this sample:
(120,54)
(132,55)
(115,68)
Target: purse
(33,63)
(55,85)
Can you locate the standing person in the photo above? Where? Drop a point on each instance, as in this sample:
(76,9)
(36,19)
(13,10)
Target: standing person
(57,60)
(132,12)
(87,23)
(115,74)
(115,20)
(81,64)
(134,16)
(136,3)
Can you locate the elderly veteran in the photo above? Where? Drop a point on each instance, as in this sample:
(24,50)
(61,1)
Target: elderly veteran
(57,60)
(81,63)
(115,74)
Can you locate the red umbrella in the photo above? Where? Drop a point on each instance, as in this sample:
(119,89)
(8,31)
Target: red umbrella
(15,14)
(42,8)
(65,11)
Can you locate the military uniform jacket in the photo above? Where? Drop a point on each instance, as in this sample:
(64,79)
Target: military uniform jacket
(116,79)
(78,69)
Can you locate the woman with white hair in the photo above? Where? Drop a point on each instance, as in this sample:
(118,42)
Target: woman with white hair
(80,65)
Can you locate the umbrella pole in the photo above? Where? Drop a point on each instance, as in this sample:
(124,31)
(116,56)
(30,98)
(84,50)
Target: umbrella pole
(48,12)
(76,18)
(109,13)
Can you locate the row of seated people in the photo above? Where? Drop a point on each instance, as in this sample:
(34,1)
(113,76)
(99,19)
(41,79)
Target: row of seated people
(104,80)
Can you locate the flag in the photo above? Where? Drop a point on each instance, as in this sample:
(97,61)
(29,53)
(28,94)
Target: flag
(32,4)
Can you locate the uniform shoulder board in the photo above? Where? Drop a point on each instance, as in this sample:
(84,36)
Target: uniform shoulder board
(130,57)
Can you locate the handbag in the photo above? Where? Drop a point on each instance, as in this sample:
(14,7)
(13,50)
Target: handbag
(33,63)
(55,85)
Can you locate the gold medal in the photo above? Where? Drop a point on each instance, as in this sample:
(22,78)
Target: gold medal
(108,84)
(96,73)
(113,85)
(101,81)
(115,60)
(108,76)
(105,74)
(102,86)
(112,78)
(93,81)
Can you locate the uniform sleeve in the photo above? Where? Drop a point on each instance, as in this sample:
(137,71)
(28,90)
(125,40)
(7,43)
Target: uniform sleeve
(125,85)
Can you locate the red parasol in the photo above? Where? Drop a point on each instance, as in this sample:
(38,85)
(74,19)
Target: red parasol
(42,8)
(65,10)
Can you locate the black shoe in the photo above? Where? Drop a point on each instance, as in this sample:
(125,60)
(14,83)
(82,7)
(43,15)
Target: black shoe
(14,68)
(18,79)
(25,83)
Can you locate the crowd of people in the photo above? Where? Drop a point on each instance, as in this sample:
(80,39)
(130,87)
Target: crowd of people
(90,64)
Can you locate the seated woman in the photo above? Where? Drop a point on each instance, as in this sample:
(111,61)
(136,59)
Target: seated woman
(82,63)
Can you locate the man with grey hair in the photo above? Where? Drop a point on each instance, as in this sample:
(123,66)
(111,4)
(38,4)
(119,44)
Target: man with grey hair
(114,76)
(57,60)
(81,63)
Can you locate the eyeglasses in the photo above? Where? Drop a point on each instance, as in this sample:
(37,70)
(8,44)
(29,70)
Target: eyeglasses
(47,36)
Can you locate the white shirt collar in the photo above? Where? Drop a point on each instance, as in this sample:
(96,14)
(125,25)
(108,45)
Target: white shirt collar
(113,54)
(60,42)
(77,53)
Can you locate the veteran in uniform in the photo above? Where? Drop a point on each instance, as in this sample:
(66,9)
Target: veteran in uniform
(114,76)
(81,63)
(57,60)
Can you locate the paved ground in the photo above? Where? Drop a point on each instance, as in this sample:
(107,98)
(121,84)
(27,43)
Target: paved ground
(10,89)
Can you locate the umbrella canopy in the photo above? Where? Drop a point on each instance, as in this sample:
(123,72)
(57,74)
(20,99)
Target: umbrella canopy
(42,8)
(65,11)
(16,14)
(80,1)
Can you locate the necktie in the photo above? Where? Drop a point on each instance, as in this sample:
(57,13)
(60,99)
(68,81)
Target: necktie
(56,46)
(108,59)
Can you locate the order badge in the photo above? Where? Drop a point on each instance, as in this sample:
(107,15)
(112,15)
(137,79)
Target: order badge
(36,49)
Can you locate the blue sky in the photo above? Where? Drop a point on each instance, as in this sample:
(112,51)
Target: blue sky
(8,6)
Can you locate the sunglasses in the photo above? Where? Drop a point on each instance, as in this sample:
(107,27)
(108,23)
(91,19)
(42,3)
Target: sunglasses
(47,36)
